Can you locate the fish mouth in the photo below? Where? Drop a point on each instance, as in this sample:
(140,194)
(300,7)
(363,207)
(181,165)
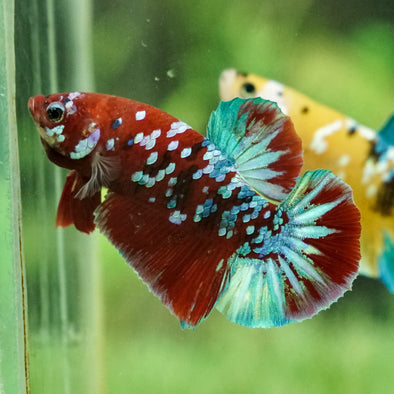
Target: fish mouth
(30,104)
(34,103)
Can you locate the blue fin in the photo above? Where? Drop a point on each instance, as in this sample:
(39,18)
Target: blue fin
(385,137)
(301,263)
(387,131)
(386,263)
(261,142)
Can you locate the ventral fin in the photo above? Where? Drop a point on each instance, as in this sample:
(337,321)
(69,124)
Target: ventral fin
(261,140)
(73,210)
(183,266)
(305,265)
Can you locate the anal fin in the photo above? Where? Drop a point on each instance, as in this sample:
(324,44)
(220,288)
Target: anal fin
(183,266)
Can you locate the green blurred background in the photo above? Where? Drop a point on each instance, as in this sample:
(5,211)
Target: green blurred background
(170,54)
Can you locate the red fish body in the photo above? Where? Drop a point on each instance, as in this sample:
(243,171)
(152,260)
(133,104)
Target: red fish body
(218,221)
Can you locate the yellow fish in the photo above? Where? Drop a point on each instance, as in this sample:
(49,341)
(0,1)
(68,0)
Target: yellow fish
(359,155)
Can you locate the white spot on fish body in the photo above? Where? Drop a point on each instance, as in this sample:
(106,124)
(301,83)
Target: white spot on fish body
(371,191)
(55,130)
(152,158)
(220,178)
(250,230)
(150,144)
(150,182)
(197,174)
(110,144)
(177,217)
(73,95)
(137,176)
(61,138)
(140,115)
(93,139)
(208,169)
(222,231)
(366,132)
(70,108)
(177,128)
(156,133)
(170,168)
(85,146)
(172,181)
(344,160)
(186,152)
(246,218)
(160,175)
(273,91)
(138,138)
(208,155)
(319,143)
(173,145)
(144,180)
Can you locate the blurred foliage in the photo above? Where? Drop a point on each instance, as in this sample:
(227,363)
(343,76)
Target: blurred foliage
(170,54)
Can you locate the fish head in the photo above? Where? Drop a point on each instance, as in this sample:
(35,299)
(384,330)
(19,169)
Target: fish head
(65,124)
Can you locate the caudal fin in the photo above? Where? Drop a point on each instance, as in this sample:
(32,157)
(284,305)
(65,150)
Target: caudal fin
(304,264)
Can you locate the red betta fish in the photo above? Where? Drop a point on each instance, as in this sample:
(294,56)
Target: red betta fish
(219,221)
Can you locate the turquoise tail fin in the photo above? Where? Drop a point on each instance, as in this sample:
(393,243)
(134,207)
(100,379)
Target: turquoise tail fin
(385,137)
(387,131)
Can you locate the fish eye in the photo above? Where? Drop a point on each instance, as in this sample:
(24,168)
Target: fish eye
(248,89)
(55,112)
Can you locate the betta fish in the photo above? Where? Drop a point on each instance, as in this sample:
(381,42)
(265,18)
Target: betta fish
(222,221)
(355,153)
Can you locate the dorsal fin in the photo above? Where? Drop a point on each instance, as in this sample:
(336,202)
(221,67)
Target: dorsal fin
(261,140)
